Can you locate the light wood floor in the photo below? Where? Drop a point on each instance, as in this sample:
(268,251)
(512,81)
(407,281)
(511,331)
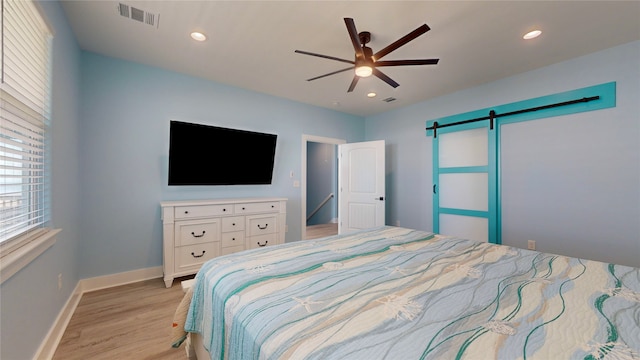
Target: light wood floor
(133,321)
(321,230)
(125,322)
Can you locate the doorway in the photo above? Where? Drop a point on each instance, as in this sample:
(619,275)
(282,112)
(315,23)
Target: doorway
(318,183)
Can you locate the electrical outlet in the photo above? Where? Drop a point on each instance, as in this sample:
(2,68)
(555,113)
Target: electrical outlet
(60,281)
(531,244)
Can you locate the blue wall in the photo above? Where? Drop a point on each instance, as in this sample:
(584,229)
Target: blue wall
(30,300)
(124,135)
(571,183)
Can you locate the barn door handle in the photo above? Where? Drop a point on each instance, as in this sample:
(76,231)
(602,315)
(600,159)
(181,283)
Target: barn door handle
(434,188)
(198,236)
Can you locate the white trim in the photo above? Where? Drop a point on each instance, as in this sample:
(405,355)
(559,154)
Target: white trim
(123,278)
(187,284)
(49,345)
(24,251)
(303,175)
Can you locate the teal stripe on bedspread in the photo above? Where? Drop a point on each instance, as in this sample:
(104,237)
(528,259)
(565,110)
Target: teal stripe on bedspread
(395,293)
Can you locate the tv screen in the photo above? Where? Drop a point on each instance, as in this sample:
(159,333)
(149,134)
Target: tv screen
(211,155)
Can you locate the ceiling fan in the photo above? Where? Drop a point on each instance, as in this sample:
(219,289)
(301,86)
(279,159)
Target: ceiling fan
(366,62)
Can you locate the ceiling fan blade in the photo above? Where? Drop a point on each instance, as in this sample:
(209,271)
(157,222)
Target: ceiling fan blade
(385,78)
(353,35)
(331,73)
(402,41)
(353,83)
(325,56)
(407,62)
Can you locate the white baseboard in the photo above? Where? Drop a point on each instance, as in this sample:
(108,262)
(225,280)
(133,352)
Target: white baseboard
(123,278)
(48,347)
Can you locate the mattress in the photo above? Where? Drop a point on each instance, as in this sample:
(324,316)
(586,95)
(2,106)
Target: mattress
(397,293)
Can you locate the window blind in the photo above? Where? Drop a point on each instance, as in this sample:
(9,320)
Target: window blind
(24,119)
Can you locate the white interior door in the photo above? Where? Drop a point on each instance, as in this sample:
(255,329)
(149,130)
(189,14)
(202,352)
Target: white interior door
(361,181)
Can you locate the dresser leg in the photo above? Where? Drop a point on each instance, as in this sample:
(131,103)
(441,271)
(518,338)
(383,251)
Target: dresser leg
(168,282)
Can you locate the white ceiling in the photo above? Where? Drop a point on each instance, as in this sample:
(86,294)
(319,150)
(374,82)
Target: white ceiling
(251,44)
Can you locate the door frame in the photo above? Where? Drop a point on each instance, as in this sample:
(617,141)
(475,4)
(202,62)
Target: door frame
(303,176)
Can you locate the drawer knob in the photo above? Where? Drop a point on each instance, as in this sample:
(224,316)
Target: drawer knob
(233,239)
(263,245)
(234,224)
(224,209)
(201,255)
(262,228)
(198,236)
(243,208)
(186,212)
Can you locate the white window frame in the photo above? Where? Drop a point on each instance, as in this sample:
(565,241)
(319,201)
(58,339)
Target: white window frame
(18,251)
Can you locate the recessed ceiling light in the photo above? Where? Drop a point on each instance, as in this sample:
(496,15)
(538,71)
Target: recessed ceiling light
(198,36)
(371,94)
(532,34)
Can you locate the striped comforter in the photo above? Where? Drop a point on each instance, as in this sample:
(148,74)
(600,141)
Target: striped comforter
(396,293)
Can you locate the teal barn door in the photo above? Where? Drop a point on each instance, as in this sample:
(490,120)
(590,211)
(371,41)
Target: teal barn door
(466,149)
(465,182)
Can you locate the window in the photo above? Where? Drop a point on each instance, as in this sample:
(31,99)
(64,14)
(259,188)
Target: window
(24,130)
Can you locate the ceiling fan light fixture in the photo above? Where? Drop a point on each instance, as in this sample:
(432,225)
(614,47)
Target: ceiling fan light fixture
(364,70)
(366,62)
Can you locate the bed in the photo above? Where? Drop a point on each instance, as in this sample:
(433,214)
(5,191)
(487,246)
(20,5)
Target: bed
(397,293)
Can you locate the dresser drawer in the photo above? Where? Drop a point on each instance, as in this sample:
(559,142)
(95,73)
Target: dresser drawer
(249,208)
(235,238)
(193,256)
(196,232)
(232,249)
(261,224)
(198,211)
(233,223)
(259,241)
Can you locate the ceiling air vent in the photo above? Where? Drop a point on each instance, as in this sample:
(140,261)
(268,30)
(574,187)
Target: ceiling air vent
(137,14)
(150,18)
(389,99)
(123,9)
(140,15)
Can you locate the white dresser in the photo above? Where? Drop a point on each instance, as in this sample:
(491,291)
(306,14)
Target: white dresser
(195,231)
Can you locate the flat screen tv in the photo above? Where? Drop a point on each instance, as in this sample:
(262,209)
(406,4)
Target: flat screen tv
(211,155)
